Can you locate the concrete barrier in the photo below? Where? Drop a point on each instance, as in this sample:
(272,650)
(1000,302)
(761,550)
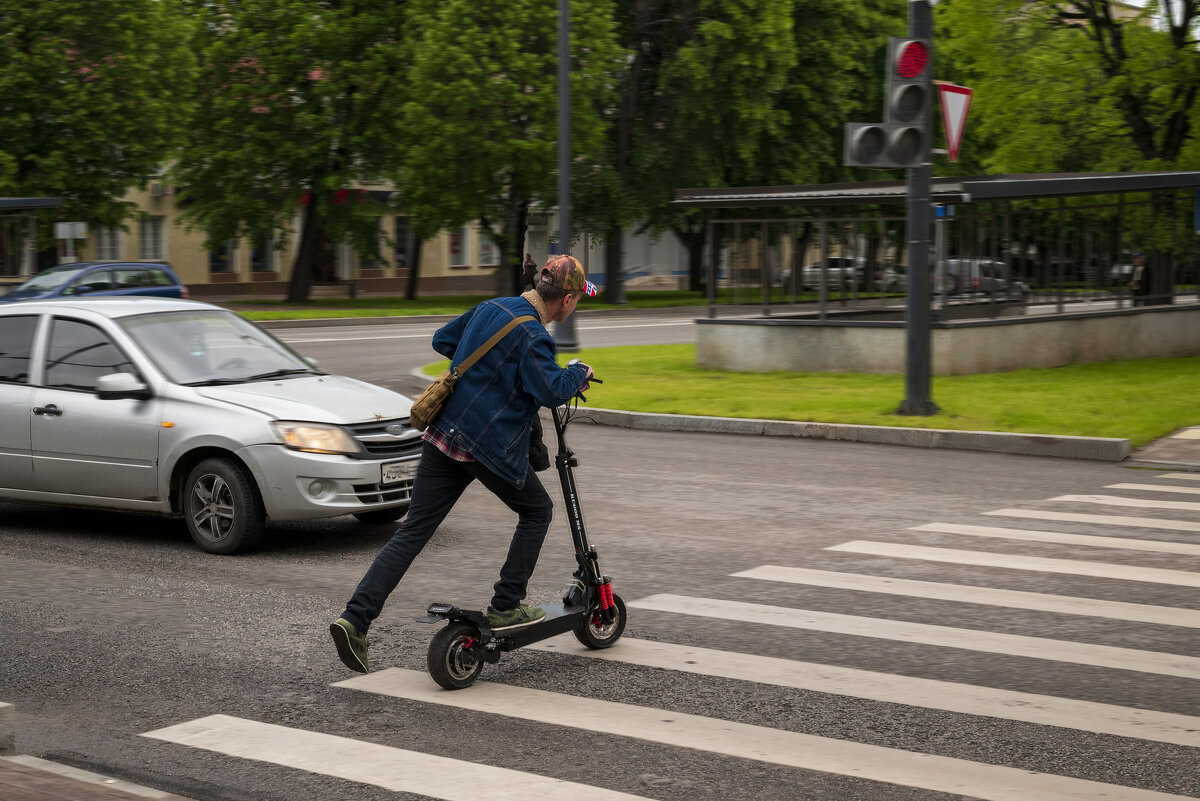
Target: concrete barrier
(959,347)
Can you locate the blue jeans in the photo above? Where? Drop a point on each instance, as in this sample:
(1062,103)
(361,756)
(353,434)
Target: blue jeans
(440,482)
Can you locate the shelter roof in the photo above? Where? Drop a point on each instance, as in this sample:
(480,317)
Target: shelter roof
(941,190)
(23,203)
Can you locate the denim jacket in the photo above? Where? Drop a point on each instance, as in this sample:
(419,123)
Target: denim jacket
(493,405)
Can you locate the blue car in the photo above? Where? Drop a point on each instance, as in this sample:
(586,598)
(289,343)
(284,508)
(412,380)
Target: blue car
(100,278)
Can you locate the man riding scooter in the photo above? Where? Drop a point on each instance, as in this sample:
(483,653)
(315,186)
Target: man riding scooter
(483,434)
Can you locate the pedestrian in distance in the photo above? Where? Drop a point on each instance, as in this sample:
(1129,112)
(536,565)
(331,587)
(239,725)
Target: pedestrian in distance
(1139,282)
(482,434)
(529,273)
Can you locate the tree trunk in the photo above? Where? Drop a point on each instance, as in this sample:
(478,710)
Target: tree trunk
(614,262)
(414,268)
(302,266)
(693,240)
(512,252)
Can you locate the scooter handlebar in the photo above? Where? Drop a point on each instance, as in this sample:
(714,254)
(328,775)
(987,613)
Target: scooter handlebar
(586,384)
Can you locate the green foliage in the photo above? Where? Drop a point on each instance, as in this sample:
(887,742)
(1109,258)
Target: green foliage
(298,100)
(1062,87)
(480,128)
(89,106)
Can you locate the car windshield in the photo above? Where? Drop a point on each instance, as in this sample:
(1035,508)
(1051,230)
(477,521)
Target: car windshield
(52,278)
(210,347)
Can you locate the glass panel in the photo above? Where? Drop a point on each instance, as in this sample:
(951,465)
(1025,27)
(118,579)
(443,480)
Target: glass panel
(79,354)
(16,342)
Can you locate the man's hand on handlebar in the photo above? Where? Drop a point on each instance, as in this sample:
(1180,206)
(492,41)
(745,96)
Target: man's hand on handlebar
(587,381)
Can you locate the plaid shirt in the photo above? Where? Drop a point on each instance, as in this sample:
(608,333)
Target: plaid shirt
(443,443)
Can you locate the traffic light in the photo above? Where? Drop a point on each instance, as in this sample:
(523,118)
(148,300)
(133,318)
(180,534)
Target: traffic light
(902,139)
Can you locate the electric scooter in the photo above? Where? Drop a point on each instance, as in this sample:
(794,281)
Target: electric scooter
(589,607)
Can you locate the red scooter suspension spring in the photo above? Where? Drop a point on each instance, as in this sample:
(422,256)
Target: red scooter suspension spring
(606,595)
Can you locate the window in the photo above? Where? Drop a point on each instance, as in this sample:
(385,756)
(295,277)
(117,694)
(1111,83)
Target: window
(108,244)
(16,342)
(221,259)
(132,279)
(79,354)
(458,248)
(489,254)
(403,232)
(262,253)
(153,237)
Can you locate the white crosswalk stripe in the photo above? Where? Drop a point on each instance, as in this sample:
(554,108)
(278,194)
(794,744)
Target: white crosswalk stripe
(1116,500)
(1101,520)
(1086,540)
(926,634)
(966,699)
(1013,599)
(379,765)
(1187,476)
(1156,488)
(925,771)
(1040,564)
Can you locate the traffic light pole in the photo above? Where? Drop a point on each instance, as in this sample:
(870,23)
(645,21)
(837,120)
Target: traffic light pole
(918,395)
(564,333)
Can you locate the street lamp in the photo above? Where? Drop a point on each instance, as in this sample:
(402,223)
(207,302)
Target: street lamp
(564,332)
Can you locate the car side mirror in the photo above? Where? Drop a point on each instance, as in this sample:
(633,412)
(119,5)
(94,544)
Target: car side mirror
(118,386)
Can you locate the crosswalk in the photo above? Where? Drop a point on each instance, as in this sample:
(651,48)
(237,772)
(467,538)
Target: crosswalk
(968,556)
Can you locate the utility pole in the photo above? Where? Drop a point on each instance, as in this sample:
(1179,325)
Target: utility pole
(564,332)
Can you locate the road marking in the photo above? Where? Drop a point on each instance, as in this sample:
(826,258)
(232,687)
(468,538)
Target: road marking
(1104,520)
(374,764)
(1040,564)
(1188,476)
(1044,710)
(758,743)
(1115,500)
(961,593)
(944,636)
(1087,540)
(1188,433)
(1155,488)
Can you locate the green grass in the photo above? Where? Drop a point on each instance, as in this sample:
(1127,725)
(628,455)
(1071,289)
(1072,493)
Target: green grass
(1135,399)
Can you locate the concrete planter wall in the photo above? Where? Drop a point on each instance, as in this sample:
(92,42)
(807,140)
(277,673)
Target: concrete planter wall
(960,347)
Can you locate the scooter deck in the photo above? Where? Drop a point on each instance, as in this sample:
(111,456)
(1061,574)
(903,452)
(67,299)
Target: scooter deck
(559,619)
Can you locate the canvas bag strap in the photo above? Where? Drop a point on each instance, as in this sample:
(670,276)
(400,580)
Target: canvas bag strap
(486,346)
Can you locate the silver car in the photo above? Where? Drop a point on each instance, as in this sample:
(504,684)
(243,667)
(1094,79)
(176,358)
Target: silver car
(179,407)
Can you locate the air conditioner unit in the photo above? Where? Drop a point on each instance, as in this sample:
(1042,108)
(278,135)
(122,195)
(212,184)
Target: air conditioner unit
(159,189)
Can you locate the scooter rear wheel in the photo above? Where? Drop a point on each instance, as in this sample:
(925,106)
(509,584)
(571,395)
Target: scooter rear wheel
(593,632)
(451,663)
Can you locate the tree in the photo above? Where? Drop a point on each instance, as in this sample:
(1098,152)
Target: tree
(480,128)
(1070,86)
(89,106)
(298,100)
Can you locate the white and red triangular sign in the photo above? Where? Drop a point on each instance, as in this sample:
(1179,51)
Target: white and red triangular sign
(956,102)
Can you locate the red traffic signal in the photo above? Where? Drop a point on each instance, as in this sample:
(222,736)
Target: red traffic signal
(910,58)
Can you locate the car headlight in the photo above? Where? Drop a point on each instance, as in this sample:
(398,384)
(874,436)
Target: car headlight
(315,438)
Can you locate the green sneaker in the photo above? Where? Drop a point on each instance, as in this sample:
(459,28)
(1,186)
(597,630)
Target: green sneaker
(514,618)
(351,646)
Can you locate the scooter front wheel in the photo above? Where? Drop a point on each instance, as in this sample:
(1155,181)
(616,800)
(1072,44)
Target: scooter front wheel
(593,632)
(450,660)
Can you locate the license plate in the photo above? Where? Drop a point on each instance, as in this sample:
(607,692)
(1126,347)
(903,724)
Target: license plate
(399,471)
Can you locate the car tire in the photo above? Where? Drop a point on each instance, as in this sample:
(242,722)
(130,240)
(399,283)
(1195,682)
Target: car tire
(222,508)
(379,516)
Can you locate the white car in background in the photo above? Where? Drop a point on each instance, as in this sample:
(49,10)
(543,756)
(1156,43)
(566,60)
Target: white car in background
(184,408)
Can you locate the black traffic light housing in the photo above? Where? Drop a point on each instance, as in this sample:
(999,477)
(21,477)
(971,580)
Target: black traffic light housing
(903,138)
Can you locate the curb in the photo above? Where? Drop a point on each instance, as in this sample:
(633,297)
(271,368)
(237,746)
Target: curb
(1101,448)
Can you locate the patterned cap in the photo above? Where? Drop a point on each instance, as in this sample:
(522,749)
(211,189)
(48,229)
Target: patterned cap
(565,272)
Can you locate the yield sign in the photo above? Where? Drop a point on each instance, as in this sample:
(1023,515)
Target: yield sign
(956,102)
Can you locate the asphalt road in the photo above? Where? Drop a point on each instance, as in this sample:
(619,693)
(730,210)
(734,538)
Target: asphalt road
(115,626)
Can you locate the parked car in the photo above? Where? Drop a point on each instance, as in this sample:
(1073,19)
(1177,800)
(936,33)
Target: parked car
(100,278)
(842,273)
(977,277)
(185,408)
